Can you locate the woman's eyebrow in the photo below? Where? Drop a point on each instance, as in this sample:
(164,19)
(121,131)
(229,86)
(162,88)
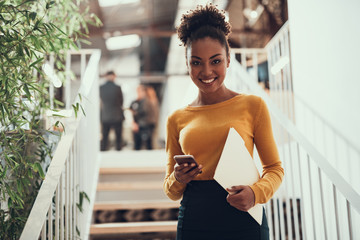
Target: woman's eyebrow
(218,54)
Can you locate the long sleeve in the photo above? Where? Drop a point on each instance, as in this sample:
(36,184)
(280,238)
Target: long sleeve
(202,132)
(273,172)
(172,188)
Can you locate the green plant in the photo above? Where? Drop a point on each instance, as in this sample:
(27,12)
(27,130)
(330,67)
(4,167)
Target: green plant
(30,31)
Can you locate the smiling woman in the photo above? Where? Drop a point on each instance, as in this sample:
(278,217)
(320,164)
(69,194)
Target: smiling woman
(207,62)
(207,210)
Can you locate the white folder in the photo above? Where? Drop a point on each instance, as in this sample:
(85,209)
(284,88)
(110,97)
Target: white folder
(236,167)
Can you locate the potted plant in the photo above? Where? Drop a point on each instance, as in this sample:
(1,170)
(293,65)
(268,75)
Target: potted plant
(30,31)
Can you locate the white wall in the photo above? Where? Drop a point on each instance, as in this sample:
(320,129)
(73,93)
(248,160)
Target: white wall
(325,38)
(325,51)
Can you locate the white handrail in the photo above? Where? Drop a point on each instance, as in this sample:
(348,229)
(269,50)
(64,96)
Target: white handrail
(43,200)
(344,187)
(323,193)
(62,180)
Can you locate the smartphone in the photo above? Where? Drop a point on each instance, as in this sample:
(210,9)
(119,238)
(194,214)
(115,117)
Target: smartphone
(189,159)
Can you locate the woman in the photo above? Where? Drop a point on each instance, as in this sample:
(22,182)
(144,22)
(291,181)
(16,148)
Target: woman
(207,210)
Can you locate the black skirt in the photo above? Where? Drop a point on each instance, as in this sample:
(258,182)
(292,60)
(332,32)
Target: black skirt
(205,214)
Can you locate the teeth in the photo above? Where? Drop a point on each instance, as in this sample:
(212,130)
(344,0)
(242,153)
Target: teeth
(208,81)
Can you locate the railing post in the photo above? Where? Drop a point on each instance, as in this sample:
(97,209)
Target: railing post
(43,231)
(287,198)
(348,208)
(67,204)
(51,84)
(322,203)
(255,65)
(67,86)
(243,60)
(50,225)
(57,212)
(269,214)
(82,65)
(302,207)
(336,212)
(311,197)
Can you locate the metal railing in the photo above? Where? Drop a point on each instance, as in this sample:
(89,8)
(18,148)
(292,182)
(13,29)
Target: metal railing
(317,200)
(61,209)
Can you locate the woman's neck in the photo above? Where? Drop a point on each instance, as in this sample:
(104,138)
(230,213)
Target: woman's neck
(213,98)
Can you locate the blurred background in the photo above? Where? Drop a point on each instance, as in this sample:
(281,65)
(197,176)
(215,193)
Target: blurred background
(138,42)
(301,57)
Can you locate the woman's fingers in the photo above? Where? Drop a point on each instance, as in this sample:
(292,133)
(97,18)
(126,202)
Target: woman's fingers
(184,168)
(193,171)
(241,197)
(235,189)
(184,173)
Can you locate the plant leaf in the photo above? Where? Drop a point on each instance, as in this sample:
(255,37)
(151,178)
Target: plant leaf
(36,62)
(39,170)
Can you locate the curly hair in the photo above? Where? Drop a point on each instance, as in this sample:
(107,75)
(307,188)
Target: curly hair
(204,21)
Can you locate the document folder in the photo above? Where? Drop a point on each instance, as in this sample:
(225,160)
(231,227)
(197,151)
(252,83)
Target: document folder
(236,167)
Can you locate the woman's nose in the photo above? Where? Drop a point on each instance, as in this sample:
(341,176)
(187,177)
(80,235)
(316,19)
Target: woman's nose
(207,70)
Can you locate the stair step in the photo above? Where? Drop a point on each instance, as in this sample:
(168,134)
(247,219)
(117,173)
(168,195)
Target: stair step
(138,204)
(119,186)
(131,170)
(130,195)
(133,227)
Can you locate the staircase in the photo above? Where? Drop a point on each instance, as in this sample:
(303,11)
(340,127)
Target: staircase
(130,203)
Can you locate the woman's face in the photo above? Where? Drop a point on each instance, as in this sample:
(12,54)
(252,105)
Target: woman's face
(207,63)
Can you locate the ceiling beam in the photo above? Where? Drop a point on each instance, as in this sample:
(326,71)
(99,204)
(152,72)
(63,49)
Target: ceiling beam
(140,32)
(167,33)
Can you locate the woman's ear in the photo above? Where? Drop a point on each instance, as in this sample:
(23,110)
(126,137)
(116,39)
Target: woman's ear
(228,61)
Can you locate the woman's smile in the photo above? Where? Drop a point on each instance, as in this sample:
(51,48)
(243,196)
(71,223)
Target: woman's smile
(208,81)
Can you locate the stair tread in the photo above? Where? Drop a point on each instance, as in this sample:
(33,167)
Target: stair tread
(115,186)
(133,227)
(136,204)
(130,170)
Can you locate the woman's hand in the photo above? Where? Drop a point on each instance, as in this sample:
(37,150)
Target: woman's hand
(184,173)
(241,197)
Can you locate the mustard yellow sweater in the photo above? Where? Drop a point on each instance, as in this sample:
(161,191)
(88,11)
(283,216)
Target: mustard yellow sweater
(202,131)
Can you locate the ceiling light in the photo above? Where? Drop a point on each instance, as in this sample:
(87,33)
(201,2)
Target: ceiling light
(109,3)
(123,42)
(253,14)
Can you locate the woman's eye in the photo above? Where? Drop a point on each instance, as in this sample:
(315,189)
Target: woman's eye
(195,63)
(216,61)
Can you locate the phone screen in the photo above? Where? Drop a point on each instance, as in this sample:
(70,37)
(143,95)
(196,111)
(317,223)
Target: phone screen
(181,159)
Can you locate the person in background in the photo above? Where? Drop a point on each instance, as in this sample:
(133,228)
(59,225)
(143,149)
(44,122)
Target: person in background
(112,114)
(152,104)
(140,110)
(208,211)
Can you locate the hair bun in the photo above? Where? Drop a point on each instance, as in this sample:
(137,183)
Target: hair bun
(207,15)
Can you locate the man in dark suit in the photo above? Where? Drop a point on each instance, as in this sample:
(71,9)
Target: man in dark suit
(112,114)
